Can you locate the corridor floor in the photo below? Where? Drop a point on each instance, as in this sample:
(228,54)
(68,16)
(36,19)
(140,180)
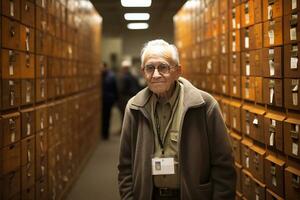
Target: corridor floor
(98,179)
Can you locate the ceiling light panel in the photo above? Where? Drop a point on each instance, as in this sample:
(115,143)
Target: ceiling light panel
(136,3)
(136,16)
(135,26)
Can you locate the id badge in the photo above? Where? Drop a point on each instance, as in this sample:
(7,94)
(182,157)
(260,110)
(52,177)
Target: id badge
(163,166)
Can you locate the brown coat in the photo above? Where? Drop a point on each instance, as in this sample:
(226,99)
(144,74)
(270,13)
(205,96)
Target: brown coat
(205,154)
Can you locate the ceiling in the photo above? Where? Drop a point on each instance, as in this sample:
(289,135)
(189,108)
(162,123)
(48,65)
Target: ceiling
(161,15)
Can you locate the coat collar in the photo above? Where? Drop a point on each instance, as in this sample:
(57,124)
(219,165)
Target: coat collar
(192,96)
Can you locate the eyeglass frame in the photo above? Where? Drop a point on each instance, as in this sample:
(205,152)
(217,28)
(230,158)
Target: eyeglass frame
(157,67)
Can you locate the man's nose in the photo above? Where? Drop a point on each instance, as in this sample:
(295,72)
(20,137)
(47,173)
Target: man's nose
(156,73)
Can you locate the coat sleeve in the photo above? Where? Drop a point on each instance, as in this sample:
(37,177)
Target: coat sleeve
(223,173)
(125,179)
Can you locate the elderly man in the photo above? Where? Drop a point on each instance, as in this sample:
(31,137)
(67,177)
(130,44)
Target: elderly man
(174,142)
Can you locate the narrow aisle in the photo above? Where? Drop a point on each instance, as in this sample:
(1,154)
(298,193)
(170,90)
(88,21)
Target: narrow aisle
(98,179)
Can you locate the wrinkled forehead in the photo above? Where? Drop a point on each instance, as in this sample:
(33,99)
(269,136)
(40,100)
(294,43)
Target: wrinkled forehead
(159,52)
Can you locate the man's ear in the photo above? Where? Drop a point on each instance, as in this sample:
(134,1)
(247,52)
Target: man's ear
(179,70)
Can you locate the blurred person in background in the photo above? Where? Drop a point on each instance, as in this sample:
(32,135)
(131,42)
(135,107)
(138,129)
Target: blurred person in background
(110,97)
(128,85)
(174,142)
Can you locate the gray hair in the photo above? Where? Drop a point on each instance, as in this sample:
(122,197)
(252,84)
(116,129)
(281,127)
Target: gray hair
(164,46)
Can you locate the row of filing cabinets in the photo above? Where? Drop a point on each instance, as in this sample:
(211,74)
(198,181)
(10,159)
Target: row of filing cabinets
(42,148)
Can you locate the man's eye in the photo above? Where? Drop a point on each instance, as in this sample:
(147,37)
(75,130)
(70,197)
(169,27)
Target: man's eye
(163,67)
(150,67)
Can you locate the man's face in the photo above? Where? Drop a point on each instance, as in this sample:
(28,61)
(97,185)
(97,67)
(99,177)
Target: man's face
(160,81)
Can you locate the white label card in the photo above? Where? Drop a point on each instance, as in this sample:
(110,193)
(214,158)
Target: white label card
(274,182)
(234,122)
(295,149)
(271,95)
(295,98)
(294,63)
(293,33)
(233,46)
(294,4)
(247,92)
(271,142)
(272,68)
(247,69)
(256,197)
(13,137)
(28,129)
(12,9)
(273,122)
(234,89)
(247,129)
(271,37)
(163,166)
(270,12)
(247,162)
(247,18)
(11,70)
(233,23)
(247,42)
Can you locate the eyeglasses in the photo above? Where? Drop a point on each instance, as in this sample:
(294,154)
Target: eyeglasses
(161,68)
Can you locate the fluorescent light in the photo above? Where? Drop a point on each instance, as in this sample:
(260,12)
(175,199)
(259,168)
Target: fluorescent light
(136,16)
(137,26)
(136,3)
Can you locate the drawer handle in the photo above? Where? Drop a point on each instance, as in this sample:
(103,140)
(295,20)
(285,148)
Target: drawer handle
(27,8)
(12,8)
(12,31)
(255,121)
(294,20)
(27,60)
(273,170)
(294,135)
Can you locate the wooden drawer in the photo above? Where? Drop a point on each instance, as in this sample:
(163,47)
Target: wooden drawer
(248,88)
(235,64)
(247,69)
(245,151)
(272,9)
(27,122)
(292,137)
(27,13)
(42,43)
(272,92)
(41,155)
(11,8)
(27,38)
(11,158)
(224,59)
(291,62)
(235,18)
(291,28)
(272,62)
(292,183)
(245,38)
(273,35)
(11,184)
(257,159)
(236,146)
(247,13)
(256,36)
(257,124)
(27,91)
(11,64)
(224,84)
(256,62)
(259,189)
(41,118)
(41,89)
(27,65)
(273,126)
(41,190)
(247,184)
(258,10)
(225,110)
(10,129)
(235,115)
(274,173)
(10,33)
(41,19)
(234,41)
(235,86)
(291,93)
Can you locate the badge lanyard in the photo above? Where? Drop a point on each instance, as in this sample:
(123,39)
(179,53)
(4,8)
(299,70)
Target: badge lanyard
(158,134)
